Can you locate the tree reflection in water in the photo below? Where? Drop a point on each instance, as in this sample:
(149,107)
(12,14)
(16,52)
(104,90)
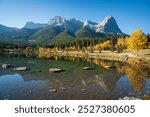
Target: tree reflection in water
(137,73)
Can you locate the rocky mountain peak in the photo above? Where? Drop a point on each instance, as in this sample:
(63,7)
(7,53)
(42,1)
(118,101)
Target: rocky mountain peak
(108,25)
(56,20)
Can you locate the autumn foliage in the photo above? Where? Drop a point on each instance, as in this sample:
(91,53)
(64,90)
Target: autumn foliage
(137,40)
(45,52)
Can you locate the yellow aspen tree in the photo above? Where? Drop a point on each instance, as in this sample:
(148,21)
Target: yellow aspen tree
(121,44)
(107,45)
(137,40)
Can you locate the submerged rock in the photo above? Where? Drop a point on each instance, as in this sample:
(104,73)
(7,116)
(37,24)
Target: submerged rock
(129,98)
(20,69)
(30,91)
(6,66)
(55,70)
(62,88)
(53,90)
(83,89)
(87,68)
(110,67)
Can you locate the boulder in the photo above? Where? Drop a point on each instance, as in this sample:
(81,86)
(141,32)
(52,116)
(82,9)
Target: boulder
(6,66)
(55,70)
(20,69)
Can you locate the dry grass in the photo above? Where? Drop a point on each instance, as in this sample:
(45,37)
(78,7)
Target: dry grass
(143,55)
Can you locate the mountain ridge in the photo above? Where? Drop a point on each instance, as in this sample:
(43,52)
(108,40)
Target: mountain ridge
(60,26)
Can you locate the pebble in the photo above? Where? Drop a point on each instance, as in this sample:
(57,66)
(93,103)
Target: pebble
(53,90)
(62,88)
(129,98)
(83,89)
(30,91)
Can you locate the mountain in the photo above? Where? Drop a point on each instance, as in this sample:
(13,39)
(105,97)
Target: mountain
(57,20)
(109,26)
(71,25)
(60,29)
(106,27)
(47,33)
(84,32)
(55,26)
(90,25)
(32,25)
(4,29)
(20,34)
(63,37)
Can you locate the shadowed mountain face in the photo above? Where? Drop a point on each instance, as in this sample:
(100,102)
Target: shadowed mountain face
(20,34)
(60,27)
(4,29)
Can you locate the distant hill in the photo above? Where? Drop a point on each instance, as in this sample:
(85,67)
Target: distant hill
(20,34)
(4,29)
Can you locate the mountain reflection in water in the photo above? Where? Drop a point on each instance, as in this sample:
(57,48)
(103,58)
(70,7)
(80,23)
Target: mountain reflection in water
(74,82)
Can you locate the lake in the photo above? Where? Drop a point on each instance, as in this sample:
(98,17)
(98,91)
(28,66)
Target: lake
(100,83)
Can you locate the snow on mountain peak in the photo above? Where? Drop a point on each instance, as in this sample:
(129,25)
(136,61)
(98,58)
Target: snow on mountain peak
(32,25)
(57,20)
(108,25)
(89,25)
(105,21)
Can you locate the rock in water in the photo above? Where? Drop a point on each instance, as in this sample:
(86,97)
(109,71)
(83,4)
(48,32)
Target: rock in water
(6,66)
(53,90)
(62,88)
(55,70)
(129,98)
(87,68)
(20,69)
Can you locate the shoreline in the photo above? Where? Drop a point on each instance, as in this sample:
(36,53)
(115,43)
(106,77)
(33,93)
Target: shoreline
(143,58)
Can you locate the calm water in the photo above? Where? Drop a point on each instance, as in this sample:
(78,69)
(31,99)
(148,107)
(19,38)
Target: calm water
(74,82)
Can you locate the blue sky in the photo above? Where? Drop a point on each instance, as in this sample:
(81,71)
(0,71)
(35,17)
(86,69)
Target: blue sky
(129,14)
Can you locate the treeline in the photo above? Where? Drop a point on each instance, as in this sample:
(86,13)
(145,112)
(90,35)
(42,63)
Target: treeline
(136,40)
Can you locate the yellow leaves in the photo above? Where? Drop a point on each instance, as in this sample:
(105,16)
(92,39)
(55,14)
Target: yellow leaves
(106,45)
(121,43)
(137,40)
(98,47)
(45,52)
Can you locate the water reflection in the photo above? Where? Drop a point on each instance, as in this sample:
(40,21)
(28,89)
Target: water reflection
(137,74)
(15,87)
(74,83)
